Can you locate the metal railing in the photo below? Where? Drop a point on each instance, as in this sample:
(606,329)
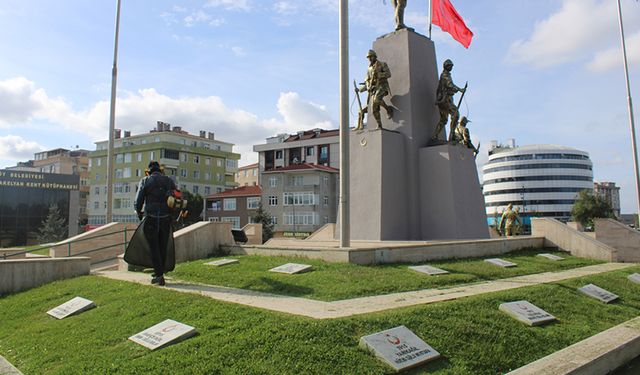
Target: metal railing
(70,243)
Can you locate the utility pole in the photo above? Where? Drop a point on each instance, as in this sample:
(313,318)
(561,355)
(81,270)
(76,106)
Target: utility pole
(112,119)
(345,240)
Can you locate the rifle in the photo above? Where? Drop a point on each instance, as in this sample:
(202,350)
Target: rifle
(361,112)
(462,96)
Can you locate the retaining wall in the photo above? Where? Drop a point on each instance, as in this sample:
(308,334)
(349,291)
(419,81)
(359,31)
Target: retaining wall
(620,237)
(78,245)
(202,240)
(571,240)
(22,274)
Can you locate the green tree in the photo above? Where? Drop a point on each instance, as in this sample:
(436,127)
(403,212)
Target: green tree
(54,228)
(588,207)
(195,204)
(263,217)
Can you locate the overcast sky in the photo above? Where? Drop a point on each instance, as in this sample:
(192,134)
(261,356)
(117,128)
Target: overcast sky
(539,71)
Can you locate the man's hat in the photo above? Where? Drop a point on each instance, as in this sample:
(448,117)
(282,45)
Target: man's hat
(372,53)
(154,166)
(447,62)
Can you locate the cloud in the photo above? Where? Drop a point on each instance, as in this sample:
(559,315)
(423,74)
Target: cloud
(612,57)
(238,51)
(285,7)
(196,17)
(579,29)
(243,5)
(15,148)
(22,103)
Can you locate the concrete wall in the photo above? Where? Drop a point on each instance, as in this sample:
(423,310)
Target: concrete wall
(254,233)
(201,240)
(325,233)
(113,243)
(568,239)
(8,253)
(409,253)
(22,274)
(620,237)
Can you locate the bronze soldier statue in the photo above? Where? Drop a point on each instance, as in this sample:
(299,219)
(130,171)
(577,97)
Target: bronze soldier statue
(444,100)
(508,220)
(378,87)
(399,5)
(461,135)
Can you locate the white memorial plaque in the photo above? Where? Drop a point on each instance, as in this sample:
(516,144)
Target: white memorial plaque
(598,293)
(634,278)
(527,313)
(163,334)
(222,262)
(551,256)
(429,270)
(500,262)
(399,348)
(292,268)
(74,306)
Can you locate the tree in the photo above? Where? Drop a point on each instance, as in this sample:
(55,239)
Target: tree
(588,207)
(263,217)
(195,204)
(54,228)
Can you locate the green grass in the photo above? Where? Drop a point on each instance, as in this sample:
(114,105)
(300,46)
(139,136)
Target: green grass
(471,333)
(332,281)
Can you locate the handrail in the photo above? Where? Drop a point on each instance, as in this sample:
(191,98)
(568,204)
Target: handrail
(125,243)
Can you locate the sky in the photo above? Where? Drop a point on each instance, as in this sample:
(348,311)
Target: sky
(539,71)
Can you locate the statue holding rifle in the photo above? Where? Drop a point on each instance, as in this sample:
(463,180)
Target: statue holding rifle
(444,100)
(377,85)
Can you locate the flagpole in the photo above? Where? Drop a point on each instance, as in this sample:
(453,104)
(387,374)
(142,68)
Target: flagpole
(345,235)
(430,18)
(112,115)
(631,117)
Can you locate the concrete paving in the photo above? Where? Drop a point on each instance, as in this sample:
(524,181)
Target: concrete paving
(7,368)
(356,306)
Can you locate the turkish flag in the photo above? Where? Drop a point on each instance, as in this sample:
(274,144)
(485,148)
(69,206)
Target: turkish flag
(446,16)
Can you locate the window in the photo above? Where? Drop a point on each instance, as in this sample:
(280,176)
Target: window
(207,190)
(96,205)
(196,159)
(207,176)
(170,154)
(229,204)
(126,173)
(118,173)
(96,190)
(218,190)
(214,219)
(183,173)
(138,173)
(299,199)
(119,158)
(207,161)
(97,176)
(310,151)
(255,173)
(196,175)
(152,155)
(253,202)
(219,162)
(300,218)
(117,187)
(325,200)
(296,180)
(274,220)
(99,162)
(234,220)
(324,155)
(273,200)
(184,157)
(232,164)
(183,187)
(139,156)
(273,181)
(218,177)
(326,219)
(216,206)
(127,158)
(279,154)
(195,189)
(126,187)
(325,180)
(246,173)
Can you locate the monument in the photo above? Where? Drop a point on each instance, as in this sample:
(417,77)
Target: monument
(404,185)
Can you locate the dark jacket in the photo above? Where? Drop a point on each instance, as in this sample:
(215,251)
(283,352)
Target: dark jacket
(153,191)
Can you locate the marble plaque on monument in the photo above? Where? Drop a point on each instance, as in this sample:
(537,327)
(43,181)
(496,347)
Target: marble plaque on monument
(634,278)
(551,256)
(598,293)
(399,348)
(73,306)
(163,334)
(500,262)
(222,262)
(526,312)
(292,268)
(429,270)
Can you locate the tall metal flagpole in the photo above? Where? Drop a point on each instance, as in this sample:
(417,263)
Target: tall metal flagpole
(345,235)
(631,118)
(430,18)
(112,115)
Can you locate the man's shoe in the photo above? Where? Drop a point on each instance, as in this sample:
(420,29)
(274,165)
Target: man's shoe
(158,280)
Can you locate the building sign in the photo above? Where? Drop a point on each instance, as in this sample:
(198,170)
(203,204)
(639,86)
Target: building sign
(296,234)
(36,180)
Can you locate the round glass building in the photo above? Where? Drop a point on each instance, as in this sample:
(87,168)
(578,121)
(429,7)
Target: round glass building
(540,180)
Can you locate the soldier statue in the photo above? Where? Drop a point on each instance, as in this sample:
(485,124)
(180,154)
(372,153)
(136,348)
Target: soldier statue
(399,5)
(461,135)
(444,100)
(378,87)
(508,220)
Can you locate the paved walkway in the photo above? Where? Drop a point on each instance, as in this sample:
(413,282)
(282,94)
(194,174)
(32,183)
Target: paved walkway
(339,309)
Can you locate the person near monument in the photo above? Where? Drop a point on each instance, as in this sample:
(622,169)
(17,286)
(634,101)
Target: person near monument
(399,6)
(461,135)
(508,221)
(444,100)
(153,191)
(377,85)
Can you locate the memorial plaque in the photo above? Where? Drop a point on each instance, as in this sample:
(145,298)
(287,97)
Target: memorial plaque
(292,268)
(163,334)
(527,313)
(399,348)
(429,270)
(222,262)
(634,278)
(500,262)
(73,306)
(598,293)
(551,256)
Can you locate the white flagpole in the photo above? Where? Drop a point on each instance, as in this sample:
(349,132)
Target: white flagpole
(345,235)
(112,115)
(631,117)
(430,18)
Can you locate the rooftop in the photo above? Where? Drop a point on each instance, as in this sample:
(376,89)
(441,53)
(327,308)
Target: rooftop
(243,191)
(303,167)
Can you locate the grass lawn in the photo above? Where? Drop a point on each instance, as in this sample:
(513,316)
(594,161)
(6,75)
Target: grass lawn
(337,281)
(471,333)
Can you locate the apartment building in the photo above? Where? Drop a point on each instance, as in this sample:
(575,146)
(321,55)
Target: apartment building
(249,175)
(237,206)
(299,177)
(199,164)
(610,193)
